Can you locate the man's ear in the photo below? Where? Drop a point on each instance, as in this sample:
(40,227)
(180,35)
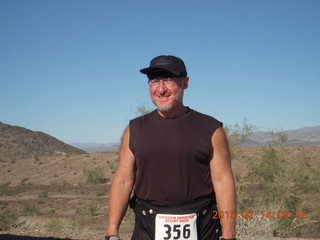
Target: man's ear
(186,82)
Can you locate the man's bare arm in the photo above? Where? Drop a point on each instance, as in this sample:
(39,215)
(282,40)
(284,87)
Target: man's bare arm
(223,182)
(121,186)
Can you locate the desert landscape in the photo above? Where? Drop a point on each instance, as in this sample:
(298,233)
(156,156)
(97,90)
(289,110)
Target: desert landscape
(65,195)
(55,196)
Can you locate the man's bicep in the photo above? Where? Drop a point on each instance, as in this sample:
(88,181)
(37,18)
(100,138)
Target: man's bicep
(220,163)
(126,164)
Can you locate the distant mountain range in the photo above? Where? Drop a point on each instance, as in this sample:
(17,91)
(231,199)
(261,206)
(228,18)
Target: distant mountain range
(18,142)
(86,145)
(97,147)
(298,137)
(302,136)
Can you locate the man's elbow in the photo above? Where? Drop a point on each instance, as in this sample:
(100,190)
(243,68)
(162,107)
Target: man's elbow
(223,182)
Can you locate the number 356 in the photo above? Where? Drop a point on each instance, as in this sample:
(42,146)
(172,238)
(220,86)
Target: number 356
(174,231)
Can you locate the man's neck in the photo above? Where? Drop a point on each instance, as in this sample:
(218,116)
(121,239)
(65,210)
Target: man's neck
(179,110)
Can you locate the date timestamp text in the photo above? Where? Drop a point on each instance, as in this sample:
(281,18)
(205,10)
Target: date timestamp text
(285,214)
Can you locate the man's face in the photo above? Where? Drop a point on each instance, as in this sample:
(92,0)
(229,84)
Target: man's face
(167,95)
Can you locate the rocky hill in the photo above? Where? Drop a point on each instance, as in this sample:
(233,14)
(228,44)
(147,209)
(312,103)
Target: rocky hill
(20,143)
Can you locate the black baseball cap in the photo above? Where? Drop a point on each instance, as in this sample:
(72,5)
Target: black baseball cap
(165,66)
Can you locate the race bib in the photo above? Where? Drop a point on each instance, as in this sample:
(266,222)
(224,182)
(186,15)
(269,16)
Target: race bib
(169,227)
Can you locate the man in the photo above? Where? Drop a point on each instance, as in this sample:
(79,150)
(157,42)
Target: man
(177,163)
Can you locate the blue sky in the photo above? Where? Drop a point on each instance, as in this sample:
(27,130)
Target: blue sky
(70,68)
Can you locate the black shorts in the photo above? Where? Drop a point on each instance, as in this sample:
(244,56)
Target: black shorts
(145,214)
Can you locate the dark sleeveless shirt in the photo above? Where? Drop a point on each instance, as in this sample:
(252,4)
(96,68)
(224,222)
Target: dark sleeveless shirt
(173,157)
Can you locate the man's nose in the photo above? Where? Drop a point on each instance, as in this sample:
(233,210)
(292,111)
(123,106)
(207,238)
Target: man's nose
(162,86)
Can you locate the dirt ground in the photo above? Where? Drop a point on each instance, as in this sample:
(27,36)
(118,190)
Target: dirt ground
(51,198)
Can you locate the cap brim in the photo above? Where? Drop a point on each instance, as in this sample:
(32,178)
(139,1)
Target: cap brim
(151,70)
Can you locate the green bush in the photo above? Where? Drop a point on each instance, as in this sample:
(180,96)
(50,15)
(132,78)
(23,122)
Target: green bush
(28,209)
(278,185)
(94,176)
(238,134)
(6,190)
(7,219)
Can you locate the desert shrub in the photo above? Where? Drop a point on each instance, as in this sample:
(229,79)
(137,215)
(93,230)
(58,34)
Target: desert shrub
(94,176)
(238,134)
(93,211)
(76,225)
(28,209)
(44,194)
(55,225)
(52,212)
(7,219)
(6,190)
(99,194)
(24,180)
(274,184)
(257,228)
(283,188)
(142,109)
(279,138)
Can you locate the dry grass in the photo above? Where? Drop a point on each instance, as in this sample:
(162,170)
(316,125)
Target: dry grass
(66,206)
